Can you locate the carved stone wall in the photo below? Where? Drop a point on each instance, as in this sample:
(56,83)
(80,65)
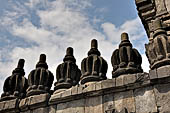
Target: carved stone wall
(133,93)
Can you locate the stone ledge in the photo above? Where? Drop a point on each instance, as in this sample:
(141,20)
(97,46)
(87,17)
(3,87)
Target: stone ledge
(159,73)
(35,101)
(9,106)
(121,83)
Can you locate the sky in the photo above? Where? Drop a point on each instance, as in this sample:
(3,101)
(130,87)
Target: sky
(29,28)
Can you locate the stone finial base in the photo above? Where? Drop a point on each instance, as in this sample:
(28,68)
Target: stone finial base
(91,78)
(64,85)
(122,71)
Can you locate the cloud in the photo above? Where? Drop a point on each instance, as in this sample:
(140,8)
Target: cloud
(62,23)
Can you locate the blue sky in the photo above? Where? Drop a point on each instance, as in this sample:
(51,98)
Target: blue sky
(31,27)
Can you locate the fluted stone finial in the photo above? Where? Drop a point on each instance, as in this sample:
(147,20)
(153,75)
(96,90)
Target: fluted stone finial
(15,85)
(67,74)
(126,59)
(40,79)
(157,50)
(93,67)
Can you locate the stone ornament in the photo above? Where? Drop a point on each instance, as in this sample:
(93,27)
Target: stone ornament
(94,67)
(126,60)
(67,74)
(40,79)
(15,85)
(158,49)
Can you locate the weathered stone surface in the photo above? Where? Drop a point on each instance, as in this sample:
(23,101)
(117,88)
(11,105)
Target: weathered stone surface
(163,71)
(39,100)
(23,105)
(66,93)
(98,85)
(124,100)
(153,74)
(90,87)
(160,6)
(145,100)
(162,94)
(119,81)
(129,79)
(9,106)
(34,101)
(94,105)
(167,3)
(76,106)
(41,110)
(52,109)
(74,90)
(108,102)
(108,83)
(80,89)
(55,97)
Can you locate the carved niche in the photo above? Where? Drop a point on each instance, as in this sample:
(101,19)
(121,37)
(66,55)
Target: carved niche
(67,74)
(94,67)
(158,49)
(40,79)
(126,59)
(15,85)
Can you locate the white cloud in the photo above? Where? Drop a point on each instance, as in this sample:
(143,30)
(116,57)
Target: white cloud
(62,26)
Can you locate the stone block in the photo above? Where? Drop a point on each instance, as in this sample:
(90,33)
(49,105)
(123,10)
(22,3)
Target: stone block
(108,83)
(153,74)
(160,7)
(119,81)
(167,3)
(76,106)
(33,102)
(108,102)
(74,90)
(162,94)
(94,105)
(52,108)
(129,79)
(66,93)
(10,106)
(98,85)
(23,105)
(2,105)
(124,100)
(38,101)
(41,110)
(55,97)
(80,89)
(145,100)
(163,71)
(89,87)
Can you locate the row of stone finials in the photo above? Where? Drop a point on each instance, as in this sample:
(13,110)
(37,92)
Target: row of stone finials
(93,68)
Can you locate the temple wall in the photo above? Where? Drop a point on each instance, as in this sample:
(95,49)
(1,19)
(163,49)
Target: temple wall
(138,93)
